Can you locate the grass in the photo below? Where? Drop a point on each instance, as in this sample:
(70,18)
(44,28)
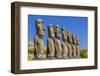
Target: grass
(30,57)
(84,53)
(30,50)
(30,53)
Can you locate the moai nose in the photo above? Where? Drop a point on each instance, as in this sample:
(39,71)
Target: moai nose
(43,29)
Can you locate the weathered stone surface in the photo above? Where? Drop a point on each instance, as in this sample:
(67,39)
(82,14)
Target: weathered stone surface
(40,27)
(51,31)
(39,46)
(69,44)
(64,45)
(77,47)
(50,42)
(38,42)
(57,32)
(58,47)
(74,46)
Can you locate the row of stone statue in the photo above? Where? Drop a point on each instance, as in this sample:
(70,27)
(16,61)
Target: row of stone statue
(68,47)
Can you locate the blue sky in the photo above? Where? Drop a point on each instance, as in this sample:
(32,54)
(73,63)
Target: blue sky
(74,25)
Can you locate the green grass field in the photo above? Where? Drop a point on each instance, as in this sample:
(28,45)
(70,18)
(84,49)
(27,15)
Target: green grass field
(30,53)
(30,57)
(84,53)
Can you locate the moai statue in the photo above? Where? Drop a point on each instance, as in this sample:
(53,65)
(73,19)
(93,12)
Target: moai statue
(50,42)
(74,46)
(64,43)
(58,48)
(39,52)
(77,47)
(69,44)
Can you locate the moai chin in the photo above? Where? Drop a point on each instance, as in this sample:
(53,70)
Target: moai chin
(77,47)
(38,41)
(58,48)
(69,39)
(74,46)
(50,42)
(64,43)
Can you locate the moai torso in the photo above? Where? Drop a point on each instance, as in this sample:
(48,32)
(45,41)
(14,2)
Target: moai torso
(64,45)
(39,46)
(38,41)
(50,42)
(58,47)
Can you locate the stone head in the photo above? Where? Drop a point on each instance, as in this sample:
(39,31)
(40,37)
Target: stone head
(40,27)
(51,30)
(74,39)
(57,31)
(64,33)
(69,36)
(77,40)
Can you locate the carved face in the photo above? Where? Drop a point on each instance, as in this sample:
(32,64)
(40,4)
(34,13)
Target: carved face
(64,34)
(51,31)
(57,32)
(40,27)
(69,36)
(77,40)
(74,39)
